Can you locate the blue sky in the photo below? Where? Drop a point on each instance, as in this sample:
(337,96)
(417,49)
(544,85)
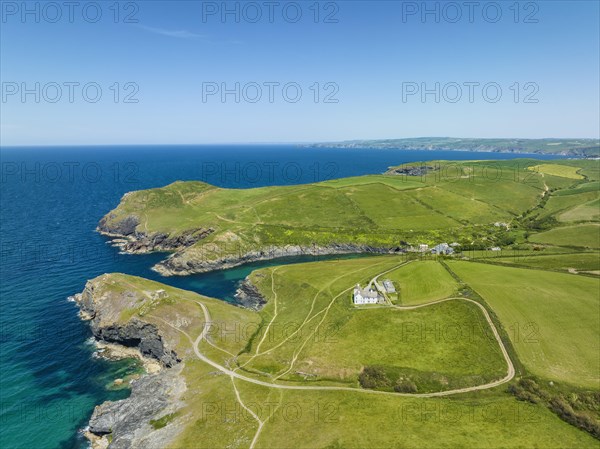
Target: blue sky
(175,54)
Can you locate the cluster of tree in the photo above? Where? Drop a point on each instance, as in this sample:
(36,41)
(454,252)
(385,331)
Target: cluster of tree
(535,223)
(504,239)
(564,409)
(375,377)
(579,409)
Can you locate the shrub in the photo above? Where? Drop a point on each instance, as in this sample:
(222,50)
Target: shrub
(405,386)
(576,408)
(373,377)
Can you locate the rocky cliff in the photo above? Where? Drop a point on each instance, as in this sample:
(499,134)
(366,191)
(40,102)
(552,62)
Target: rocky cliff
(104,311)
(126,236)
(249,296)
(184,263)
(131,422)
(128,423)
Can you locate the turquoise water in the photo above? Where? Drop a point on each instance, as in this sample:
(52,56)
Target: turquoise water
(51,201)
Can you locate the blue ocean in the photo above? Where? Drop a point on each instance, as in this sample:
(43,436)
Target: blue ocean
(51,201)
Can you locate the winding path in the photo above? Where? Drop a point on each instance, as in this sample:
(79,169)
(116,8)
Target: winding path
(235,375)
(510,374)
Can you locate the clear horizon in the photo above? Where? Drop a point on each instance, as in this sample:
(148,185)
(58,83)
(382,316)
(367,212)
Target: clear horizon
(281,143)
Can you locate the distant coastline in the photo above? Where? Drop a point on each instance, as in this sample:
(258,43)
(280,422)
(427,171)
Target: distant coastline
(580,148)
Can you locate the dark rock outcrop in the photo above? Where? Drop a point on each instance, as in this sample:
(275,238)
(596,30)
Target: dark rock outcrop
(415,170)
(249,296)
(132,241)
(103,312)
(182,264)
(141,243)
(128,421)
(140,335)
(123,228)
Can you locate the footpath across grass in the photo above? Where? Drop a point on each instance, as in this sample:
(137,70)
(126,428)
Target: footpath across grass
(551,318)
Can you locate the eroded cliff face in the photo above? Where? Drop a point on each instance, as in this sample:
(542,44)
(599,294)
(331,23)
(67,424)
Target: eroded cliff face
(126,236)
(104,311)
(140,335)
(249,296)
(184,263)
(127,423)
(189,259)
(122,228)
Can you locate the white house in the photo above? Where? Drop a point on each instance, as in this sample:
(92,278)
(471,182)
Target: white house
(365,295)
(442,248)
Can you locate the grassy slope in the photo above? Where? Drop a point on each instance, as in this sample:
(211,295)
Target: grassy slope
(365,209)
(307,419)
(450,339)
(576,261)
(421,282)
(212,417)
(551,318)
(557,170)
(571,211)
(490,420)
(562,205)
(450,202)
(584,236)
(589,211)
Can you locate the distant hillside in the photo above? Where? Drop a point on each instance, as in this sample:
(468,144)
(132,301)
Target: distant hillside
(565,147)
(210,228)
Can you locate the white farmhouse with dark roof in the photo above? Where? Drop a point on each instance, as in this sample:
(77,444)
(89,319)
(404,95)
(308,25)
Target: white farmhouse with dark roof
(365,295)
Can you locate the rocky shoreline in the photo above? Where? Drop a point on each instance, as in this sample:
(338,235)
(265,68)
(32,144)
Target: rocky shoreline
(123,234)
(127,423)
(249,296)
(157,394)
(179,264)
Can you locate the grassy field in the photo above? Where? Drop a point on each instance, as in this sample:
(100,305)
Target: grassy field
(593,186)
(309,333)
(584,236)
(577,261)
(422,281)
(489,421)
(557,170)
(588,211)
(340,420)
(213,418)
(334,340)
(449,339)
(215,412)
(551,318)
(576,207)
(450,201)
